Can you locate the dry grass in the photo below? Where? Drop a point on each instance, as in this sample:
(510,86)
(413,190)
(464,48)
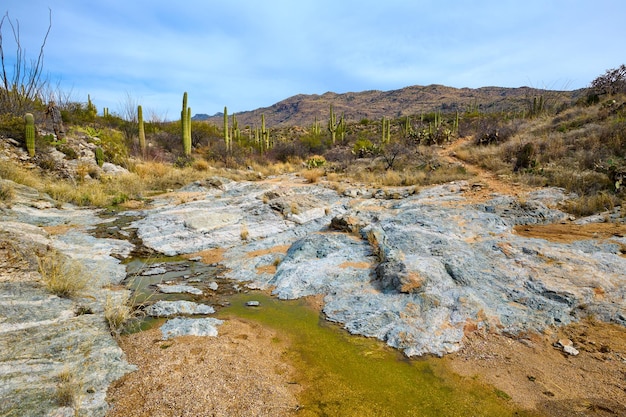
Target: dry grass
(244,233)
(68,389)
(312,175)
(200,165)
(587,205)
(118,312)
(61,276)
(7,193)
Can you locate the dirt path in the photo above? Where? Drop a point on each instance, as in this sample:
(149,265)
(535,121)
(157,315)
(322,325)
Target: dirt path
(485,183)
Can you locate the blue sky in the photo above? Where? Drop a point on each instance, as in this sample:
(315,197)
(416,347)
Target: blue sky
(247,54)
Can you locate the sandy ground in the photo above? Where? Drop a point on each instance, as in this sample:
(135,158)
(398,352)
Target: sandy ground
(537,375)
(239,373)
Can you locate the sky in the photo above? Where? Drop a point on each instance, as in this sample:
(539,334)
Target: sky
(247,54)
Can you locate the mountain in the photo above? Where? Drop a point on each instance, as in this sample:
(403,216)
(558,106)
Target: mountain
(302,109)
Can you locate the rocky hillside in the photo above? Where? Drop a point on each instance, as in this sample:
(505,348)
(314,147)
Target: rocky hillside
(302,109)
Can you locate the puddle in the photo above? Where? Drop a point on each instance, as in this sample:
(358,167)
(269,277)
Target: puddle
(341,374)
(346,375)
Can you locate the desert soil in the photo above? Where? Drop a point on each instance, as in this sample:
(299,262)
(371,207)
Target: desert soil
(240,373)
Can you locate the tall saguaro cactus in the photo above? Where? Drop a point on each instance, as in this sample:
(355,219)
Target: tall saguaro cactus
(29,131)
(185,116)
(386,129)
(227,138)
(332,125)
(142,132)
(265,133)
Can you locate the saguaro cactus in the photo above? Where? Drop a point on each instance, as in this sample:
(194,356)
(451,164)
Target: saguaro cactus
(226,132)
(332,124)
(185,123)
(29,130)
(386,129)
(142,132)
(265,133)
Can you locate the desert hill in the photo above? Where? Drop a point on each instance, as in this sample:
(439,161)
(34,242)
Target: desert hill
(303,109)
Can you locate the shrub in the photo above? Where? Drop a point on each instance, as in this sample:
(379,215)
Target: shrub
(118,312)
(525,157)
(315,161)
(7,193)
(12,126)
(61,276)
(613,81)
(313,175)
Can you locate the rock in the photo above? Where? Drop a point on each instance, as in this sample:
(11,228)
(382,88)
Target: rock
(252,303)
(112,169)
(437,261)
(154,270)
(568,346)
(172,308)
(347,223)
(213,286)
(190,327)
(43,336)
(178,289)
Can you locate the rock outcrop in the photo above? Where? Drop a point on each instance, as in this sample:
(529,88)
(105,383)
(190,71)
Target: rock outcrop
(418,270)
(57,355)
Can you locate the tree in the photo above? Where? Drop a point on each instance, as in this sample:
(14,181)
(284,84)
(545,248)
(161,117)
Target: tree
(24,83)
(613,81)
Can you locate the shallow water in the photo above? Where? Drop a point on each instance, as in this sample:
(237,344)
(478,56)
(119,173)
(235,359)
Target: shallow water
(346,375)
(342,374)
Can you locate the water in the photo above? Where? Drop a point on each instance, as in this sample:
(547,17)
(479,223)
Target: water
(342,374)
(346,375)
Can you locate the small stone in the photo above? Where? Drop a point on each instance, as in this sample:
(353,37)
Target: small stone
(568,347)
(213,286)
(253,304)
(179,289)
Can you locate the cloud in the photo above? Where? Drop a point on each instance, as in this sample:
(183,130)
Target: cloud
(247,54)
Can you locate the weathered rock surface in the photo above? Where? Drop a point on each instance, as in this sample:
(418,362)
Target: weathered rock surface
(47,343)
(174,308)
(190,327)
(415,270)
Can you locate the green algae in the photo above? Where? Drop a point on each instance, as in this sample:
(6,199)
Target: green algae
(346,375)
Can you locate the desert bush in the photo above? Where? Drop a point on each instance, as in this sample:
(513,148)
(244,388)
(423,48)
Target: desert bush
(613,81)
(588,205)
(312,175)
(118,312)
(12,126)
(114,146)
(525,157)
(491,130)
(7,193)
(61,276)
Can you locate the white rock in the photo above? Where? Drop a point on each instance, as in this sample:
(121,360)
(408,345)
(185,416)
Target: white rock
(190,327)
(172,308)
(179,289)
